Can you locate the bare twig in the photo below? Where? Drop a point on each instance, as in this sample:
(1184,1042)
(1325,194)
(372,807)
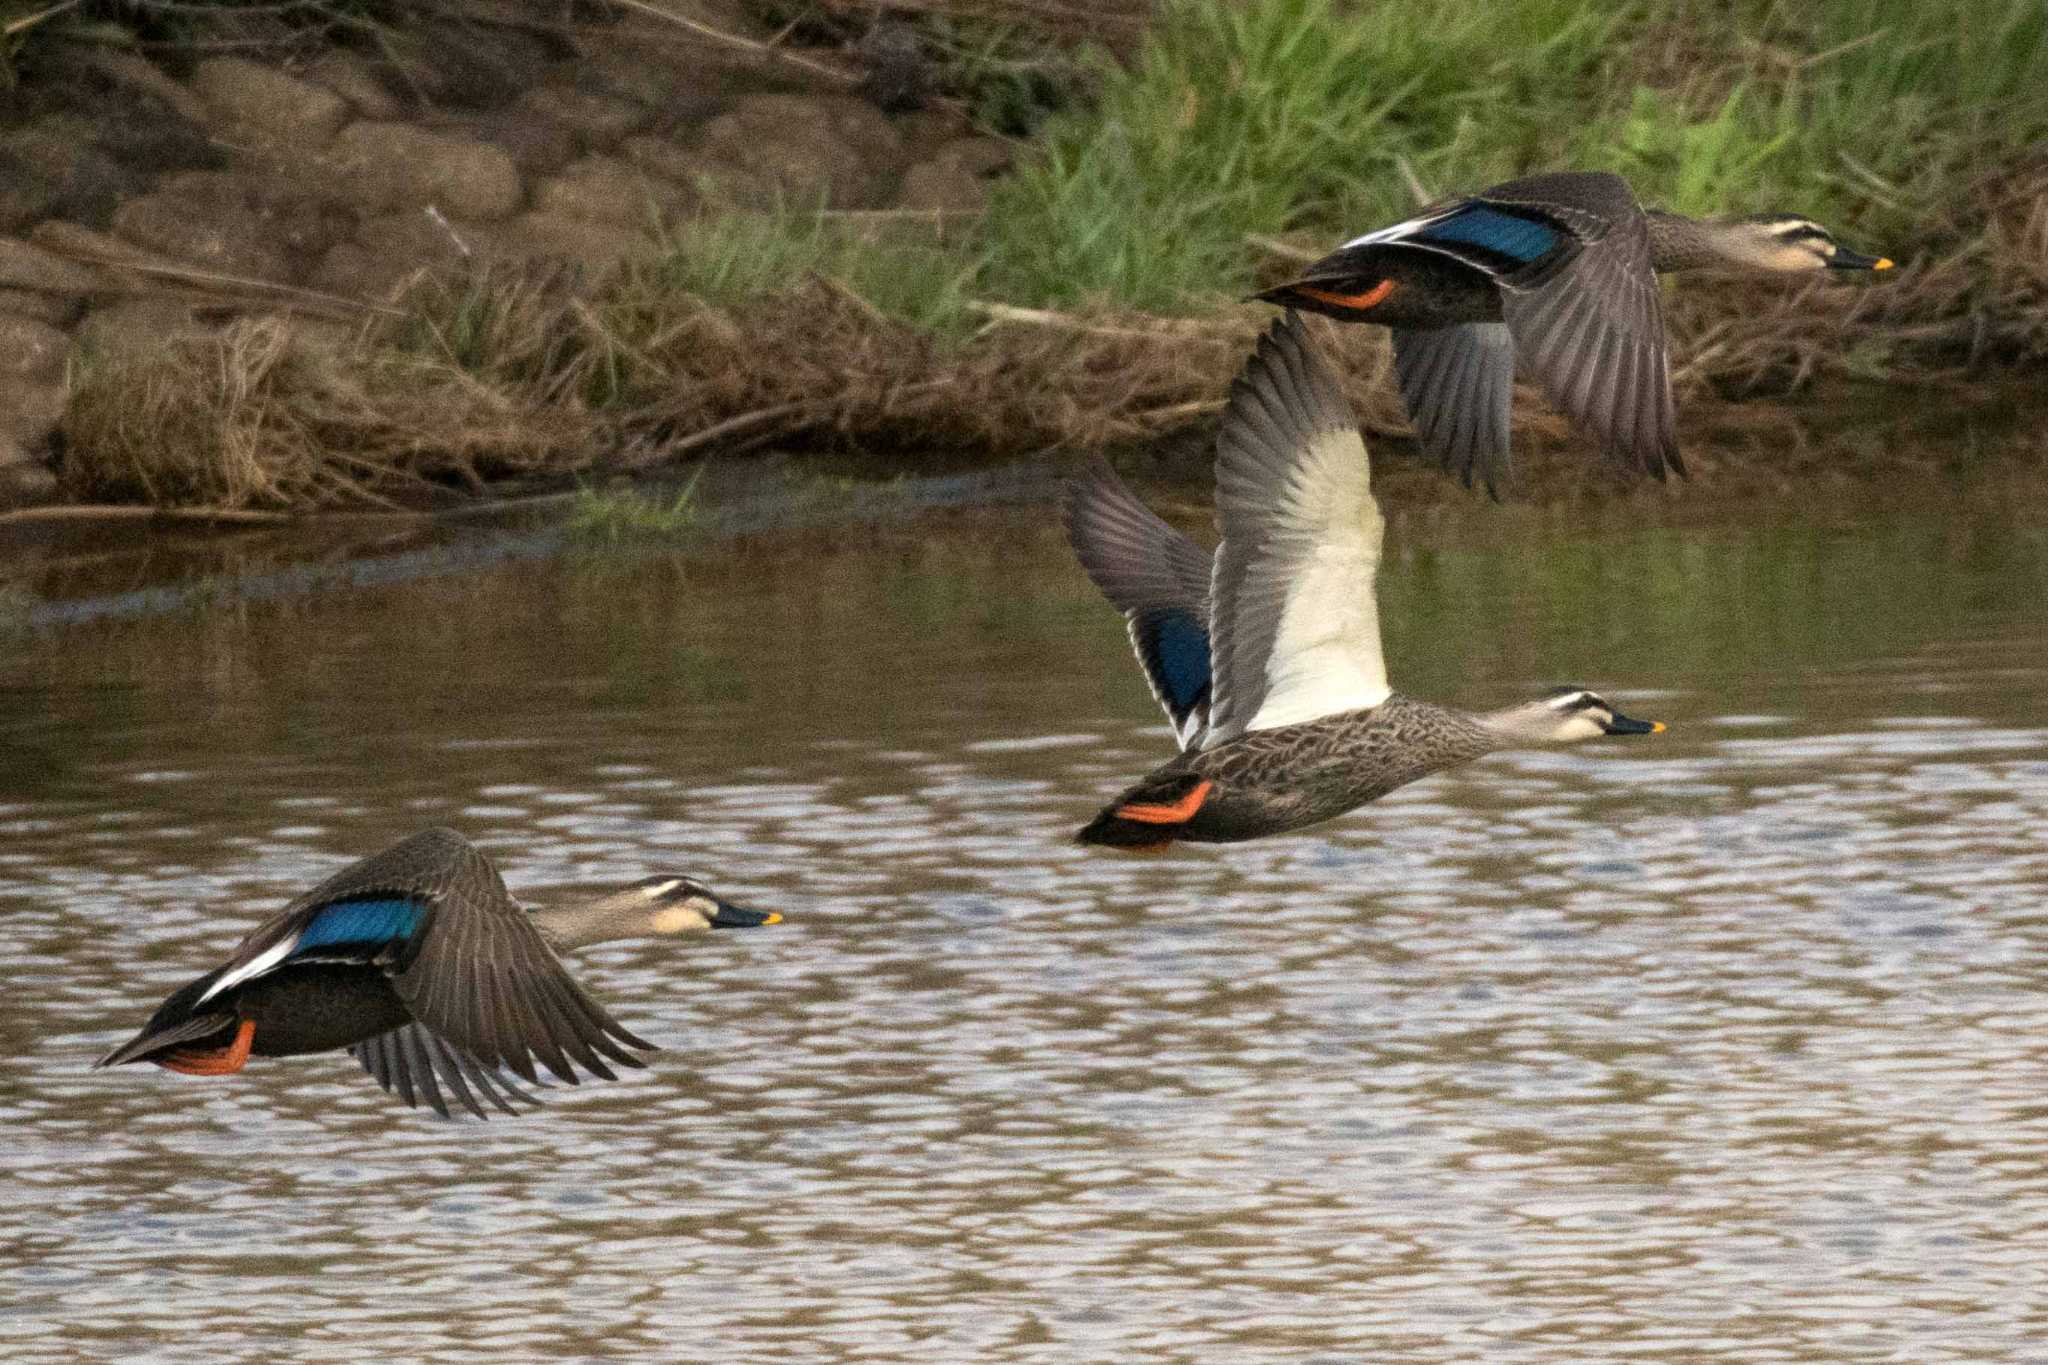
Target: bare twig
(1160,328)
(1286,251)
(29,21)
(718,431)
(760,49)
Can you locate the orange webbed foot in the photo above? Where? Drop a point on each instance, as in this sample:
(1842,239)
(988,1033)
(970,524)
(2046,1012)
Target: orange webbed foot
(1168,813)
(222,1062)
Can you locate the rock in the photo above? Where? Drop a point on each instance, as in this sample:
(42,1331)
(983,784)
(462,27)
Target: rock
(603,189)
(83,244)
(30,412)
(349,76)
(212,236)
(957,179)
(138,73)
(249,96)
(899,77)
(589,242)
(136,327)
(389,165)
(537,145)
(597,120)
(356,272)
(927,130)
(30,350)
(660,157)
(23,266)
(480,65)
(54,167)
(684,74)
(392,250)
(458,64)
(329,336)
(297,215)
(800,148)
(59,310)
(125,108)
(26,482)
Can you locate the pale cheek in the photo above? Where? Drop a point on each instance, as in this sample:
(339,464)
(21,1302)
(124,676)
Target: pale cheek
(677,920)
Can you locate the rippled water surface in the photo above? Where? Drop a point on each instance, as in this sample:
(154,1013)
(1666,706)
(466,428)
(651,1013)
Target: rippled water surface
(1728,1044)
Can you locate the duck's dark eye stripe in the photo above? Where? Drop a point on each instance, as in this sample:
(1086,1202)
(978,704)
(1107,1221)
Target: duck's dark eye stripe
(1583,702)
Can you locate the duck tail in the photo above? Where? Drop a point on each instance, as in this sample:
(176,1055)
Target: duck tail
(176,1027)
(1149,816)
(1346,285)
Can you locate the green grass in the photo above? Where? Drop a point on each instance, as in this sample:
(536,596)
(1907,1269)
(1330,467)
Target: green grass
(1240,120)
(619,517)
(733,258)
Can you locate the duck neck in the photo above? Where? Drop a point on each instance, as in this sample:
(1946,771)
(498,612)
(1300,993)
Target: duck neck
(1681,243)
(579,926)
(1516,727)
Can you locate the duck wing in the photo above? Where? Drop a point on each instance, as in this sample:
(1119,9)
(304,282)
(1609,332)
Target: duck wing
(480,976)
(1588,318)
(1458,384)
(1295,629)
(1159,580)
(433,914)
(415,1065)
(373,913)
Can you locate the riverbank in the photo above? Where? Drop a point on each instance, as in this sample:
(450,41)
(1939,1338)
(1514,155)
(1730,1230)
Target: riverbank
(785,263)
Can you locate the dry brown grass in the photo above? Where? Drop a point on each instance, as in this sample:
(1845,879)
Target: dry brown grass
(259,417)
(528,376)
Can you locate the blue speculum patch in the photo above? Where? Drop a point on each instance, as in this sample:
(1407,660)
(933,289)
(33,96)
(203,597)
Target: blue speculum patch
(1516,237)
(1180,644)
(366,921)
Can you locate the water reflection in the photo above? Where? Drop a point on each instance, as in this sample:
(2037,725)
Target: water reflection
(1721,1047)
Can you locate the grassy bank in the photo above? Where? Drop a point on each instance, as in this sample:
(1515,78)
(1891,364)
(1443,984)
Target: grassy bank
(1098,300)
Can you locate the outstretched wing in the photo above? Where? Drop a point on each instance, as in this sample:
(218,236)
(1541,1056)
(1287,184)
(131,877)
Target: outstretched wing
(432,913)
(1588,322)
(1159,580)
(1570,253)
(374,912)
(415,1065)
(1458,384)
(485,981)
(1295,631)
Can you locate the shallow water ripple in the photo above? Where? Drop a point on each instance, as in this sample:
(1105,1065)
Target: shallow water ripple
(1722,1047)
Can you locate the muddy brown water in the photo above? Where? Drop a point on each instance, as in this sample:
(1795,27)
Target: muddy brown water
(1730,1044)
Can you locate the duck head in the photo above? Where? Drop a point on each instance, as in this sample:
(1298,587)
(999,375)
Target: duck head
(1789,242)
(1565,716)
(675,904)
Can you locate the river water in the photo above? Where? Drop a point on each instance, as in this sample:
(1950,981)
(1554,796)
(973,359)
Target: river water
(1727,1044)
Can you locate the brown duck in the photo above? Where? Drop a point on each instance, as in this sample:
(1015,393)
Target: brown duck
(1556,273)
(1270,666)
(419,962)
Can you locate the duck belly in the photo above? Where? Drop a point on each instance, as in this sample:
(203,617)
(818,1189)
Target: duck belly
(1394,287)
(319,1009)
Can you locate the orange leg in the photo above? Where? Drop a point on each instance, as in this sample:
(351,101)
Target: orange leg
(1179,812)
(1355,302)
(229,1059)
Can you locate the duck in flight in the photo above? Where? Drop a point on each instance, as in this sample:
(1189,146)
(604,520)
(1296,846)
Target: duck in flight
(1557,273)
(1266,657)
(418,961)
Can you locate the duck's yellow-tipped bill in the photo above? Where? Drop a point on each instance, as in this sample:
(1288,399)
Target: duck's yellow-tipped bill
(1658,727)
(738,917)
